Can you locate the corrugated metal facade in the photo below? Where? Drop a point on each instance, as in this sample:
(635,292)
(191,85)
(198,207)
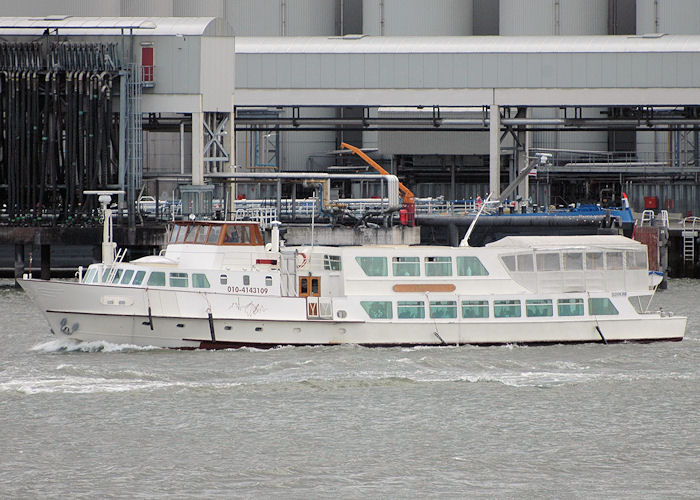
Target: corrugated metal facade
(417,17)
(190,8)
(549,17)
(668,16)
(139,8)
(109,8)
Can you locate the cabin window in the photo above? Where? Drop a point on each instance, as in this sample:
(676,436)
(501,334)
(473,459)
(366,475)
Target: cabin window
(613,261)
(377,309)
(573,261)
(223,279)
(602,307)
(237,234)
(268,280)
(173,236)
(127,276)
(90,275)
(246,280)
(179,280)
(443,309)
(199,280)
(138,279)
(539,307)
(157,278)
(202,234)
(105,274)
(191,233)
(405,266)
(304,287)
(475,308)
(314,287)
(470,266)
(525,262)
(594,261)
(410,309)
(332,263)
(506,308)
(181,234)
(438,266)
(117,275)
(373,266)
(548,262)
(636,260)
(509,262)
(214,233)
(570,307)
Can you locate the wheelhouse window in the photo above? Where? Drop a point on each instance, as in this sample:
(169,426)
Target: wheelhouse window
(602,306)
(214,233)
(237,235)
(405,266)
(138,278)
(539,308)
(373,266)
(202,234)
(179,280)
(438,266)
(157,278)
(191,234)
(443,309)
(126,279)
(548,262)
(332,263)
(116,276)
(377,309)
(573,261)
(475,308)
(506,308)
(90,275)
(173,235)
(410,309)
(470,266)
(200,280)
(570,307)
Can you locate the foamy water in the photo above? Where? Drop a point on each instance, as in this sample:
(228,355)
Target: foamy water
(92,420)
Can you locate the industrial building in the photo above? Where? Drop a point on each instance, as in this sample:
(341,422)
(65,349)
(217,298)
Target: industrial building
(453,96)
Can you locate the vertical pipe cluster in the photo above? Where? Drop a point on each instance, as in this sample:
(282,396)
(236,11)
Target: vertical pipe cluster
(56,128)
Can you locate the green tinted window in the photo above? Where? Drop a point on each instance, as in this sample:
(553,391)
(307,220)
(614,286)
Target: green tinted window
(601,307)
(332,263)
(506,308)
(470,266)
(443,309)
(178,280)
(199,281)
(475,308)
(539,308)
(373,266)
(407,309)
(438,266)
(127,276)
(570,307)
(138,279)
(377,309)
(406,266)
(157,278)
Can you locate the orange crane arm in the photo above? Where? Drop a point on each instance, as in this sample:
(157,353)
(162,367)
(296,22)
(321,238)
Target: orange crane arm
(408,196)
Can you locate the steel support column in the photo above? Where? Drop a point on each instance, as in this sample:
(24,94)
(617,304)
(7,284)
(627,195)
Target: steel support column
(495,151)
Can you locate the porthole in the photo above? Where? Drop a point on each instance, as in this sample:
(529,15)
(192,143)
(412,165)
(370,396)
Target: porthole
(341,314)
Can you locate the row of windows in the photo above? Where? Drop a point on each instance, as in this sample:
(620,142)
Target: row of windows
(383,309)
(576,261)
(136,278)
(432,266)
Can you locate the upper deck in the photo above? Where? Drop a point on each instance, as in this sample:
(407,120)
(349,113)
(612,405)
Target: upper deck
(216,233)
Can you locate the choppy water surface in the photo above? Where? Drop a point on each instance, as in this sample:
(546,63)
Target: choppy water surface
(585,421)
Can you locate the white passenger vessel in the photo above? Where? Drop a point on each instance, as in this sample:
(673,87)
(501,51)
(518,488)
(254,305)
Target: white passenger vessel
(218,285)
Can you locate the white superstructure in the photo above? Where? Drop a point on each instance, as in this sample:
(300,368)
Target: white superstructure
(217,285)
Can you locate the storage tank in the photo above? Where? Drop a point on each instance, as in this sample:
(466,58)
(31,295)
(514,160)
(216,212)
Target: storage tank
(676,17)
(280,17)
(553,17)
(417,17)
(151,8)
(559,17)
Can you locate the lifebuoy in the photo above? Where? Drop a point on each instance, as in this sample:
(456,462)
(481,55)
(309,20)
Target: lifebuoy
(302,260)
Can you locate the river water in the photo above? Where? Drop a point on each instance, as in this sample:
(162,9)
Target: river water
(581,421)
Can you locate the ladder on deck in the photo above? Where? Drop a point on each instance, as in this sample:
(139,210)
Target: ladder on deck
(689,233)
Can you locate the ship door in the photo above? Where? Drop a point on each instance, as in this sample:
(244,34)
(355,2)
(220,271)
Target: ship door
(310,287)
